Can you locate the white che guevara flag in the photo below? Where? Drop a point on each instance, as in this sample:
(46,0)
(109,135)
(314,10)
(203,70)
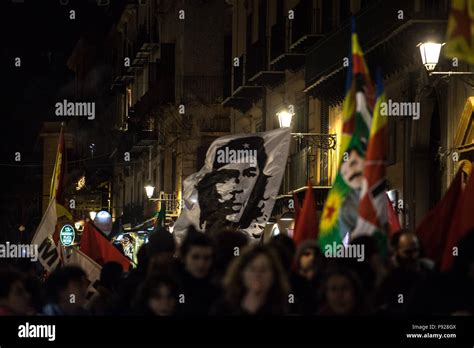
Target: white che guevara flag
(237,185)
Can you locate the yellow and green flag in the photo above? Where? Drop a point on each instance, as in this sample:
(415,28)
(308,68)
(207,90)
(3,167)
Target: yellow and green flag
(340,211)
(460,32)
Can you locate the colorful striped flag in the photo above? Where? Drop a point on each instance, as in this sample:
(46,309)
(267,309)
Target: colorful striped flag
(340,211)
(460,32)
(373,217)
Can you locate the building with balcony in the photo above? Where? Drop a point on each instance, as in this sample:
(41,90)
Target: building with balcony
(290,53)
(168,82)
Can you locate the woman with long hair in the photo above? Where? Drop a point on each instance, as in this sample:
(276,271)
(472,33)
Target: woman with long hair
(255,284)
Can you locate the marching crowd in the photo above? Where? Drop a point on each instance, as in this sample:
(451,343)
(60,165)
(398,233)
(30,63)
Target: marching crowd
(225,274)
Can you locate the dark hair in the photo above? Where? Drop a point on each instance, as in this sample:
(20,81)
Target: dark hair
(465,254)
(398,235)
(142,257)
(148,288)
(285,249)
(194,238)
(111,274)
(160,241)
(355,281)
(7,279)
(234,285)
(60,279)
(226,241)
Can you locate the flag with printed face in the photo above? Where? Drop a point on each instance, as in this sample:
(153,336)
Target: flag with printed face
(373,212)
(237,185)
(340,211)
(460,32)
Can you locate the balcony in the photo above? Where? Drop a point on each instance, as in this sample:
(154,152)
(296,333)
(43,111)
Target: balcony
(148,40)
(390,43)
(122,78)
(172,204)
(203,89)
(281,59)
(243,94)
(315,160)
(257,71)
(304,27)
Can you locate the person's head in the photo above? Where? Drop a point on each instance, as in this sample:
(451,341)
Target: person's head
(160,250)
(342,291)
(228,244)
(197,254)
(309,258)
(284,247)
(406,248)
(158,295)
(463,264)
(225,190)
(67,287)
(111,274)
(256,271)
(12,292)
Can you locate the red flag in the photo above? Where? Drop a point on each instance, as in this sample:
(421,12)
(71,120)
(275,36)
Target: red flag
(434,228)
(297,207)
(461,222)
(392,217)
(95,245)
(306,227)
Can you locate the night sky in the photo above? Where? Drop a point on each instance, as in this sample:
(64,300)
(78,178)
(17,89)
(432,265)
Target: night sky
(41,33)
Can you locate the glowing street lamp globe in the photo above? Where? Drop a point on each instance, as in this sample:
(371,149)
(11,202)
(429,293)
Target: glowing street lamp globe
(430,54)
(284,118)
(149,190)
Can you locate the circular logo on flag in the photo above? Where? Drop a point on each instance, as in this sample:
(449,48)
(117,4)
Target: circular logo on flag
(67,235)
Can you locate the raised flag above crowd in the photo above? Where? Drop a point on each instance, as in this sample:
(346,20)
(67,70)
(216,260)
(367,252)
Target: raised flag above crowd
(340,211)
(238,184)
(373,212)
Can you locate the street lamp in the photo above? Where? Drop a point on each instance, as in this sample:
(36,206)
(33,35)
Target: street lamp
(92,215)
(430,54)
(285,117)
(149,188)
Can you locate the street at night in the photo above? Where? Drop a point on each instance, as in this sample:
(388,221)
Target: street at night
(185,171)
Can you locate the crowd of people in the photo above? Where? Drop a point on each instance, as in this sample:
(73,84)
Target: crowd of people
(226,274)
